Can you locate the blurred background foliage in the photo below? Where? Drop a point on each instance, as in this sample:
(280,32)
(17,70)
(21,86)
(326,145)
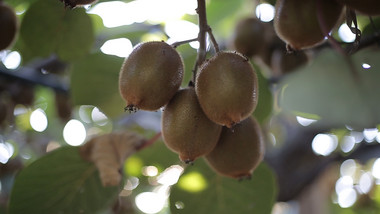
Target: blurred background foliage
(58,87)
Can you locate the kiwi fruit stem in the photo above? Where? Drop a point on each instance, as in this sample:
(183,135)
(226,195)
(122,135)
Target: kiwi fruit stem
(202,23)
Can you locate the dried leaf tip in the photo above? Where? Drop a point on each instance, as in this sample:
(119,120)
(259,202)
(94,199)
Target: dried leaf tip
(108,152)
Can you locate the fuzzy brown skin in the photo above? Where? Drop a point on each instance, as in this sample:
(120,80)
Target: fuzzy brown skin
(185,128)
(8,26)
(367,7)
(227,88)
(249,37)
(239,150)
(150,76)
(108,152)
(296,22)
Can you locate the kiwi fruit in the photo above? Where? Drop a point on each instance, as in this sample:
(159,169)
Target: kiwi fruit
(186,130)
(296,22)
(8,26)
(249,36)
(239,150)
(227,89)
(150,76)
(283,63)
(367,7)
(75,3)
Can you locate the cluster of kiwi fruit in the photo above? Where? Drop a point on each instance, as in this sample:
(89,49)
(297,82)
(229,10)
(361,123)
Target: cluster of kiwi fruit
(306,24)
(8,26)
(258,40)
(211,117)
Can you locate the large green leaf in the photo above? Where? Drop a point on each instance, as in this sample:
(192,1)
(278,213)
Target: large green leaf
(329,90)
(202,191)
(60,182)
(50,28)
(221,23)
(265,102)
(94,81)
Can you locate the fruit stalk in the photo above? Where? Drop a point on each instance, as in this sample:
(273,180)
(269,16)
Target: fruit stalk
(213,40)
(203,27)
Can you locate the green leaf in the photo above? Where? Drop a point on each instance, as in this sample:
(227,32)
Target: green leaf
(265,102)
(217,19)
(202,191)
(329,90)
(158,155)
(189,56)
(60,182)
(15,3)
(371,27)
(95,80)
(50,28)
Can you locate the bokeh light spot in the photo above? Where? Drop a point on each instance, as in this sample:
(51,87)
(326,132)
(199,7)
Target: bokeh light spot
(348,167)
(121,47)
(6,152)
(344,182)
(74,133)
(347,198)
(324,144)
(366,66)
(98,117)
(265,12)
(376,169)
(345,33)
(370,134)
(365,182)
(305,121)
(150,202)
(171,175)
(150,171)
(193,182)
(348,143)
(12,60)
(38,120)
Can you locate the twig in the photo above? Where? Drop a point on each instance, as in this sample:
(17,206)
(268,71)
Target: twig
(213,40)
(351,19)
(33,76)
(203,27)
(149,142)
(365,41)
(176,44)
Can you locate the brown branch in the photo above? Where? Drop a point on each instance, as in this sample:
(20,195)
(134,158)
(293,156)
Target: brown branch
(203,27)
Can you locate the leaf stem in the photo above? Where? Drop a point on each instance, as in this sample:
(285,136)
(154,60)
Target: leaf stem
(149,141)
(176,44)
